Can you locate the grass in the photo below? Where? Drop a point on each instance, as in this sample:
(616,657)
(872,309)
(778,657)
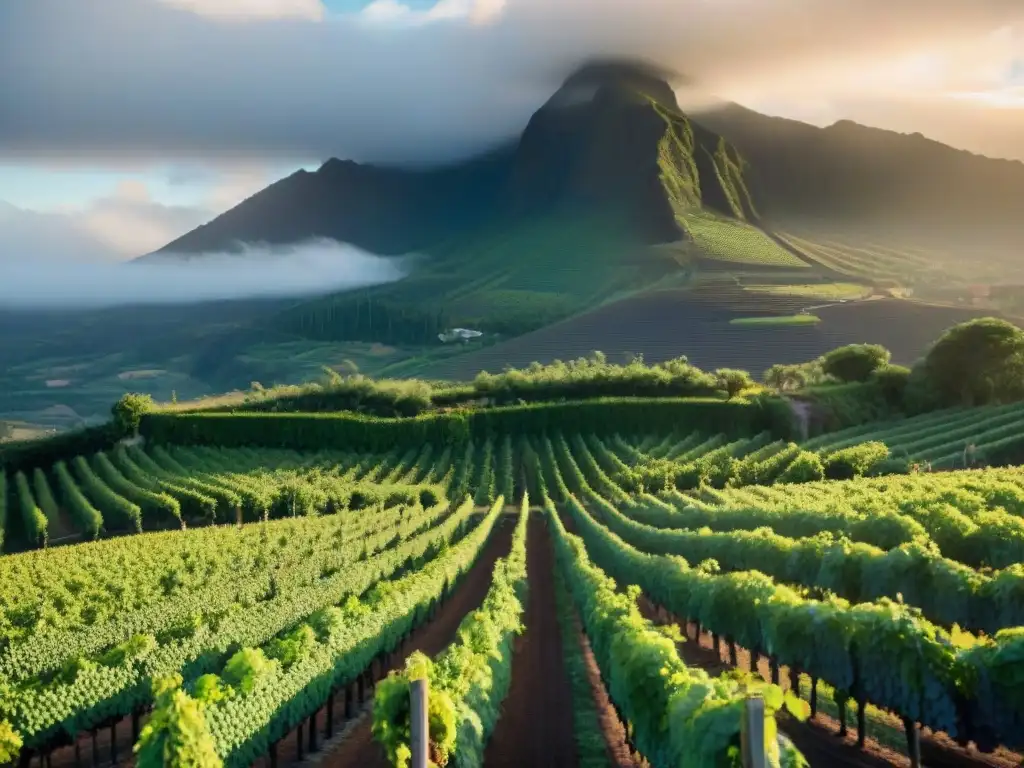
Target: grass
(734,241)
(824,291)
(783,320)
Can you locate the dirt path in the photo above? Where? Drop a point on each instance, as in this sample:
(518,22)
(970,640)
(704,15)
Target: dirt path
(536,724)
(612,729)
(358,749)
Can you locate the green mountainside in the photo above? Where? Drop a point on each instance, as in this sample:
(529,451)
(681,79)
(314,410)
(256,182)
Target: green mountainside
(559,223)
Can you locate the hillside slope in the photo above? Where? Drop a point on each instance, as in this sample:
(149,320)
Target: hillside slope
(527,235)
(850,172)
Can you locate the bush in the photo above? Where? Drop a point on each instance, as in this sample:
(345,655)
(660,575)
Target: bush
(890,466)
(595,377)
(855,461)
(855,362)
(806,467)
(787,378)
(733,381)
(977,362)
(920,394)
(891,381)
(128,412)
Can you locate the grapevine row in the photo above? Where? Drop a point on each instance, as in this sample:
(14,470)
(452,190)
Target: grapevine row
(470,678)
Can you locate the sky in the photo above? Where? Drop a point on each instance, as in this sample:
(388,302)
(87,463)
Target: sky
(126,123)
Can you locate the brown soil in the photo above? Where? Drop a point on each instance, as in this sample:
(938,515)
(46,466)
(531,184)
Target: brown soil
(536,724)
(358,749)
(98,745)
(614,732)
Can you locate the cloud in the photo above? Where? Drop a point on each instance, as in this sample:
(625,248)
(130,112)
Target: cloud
(46,238)
(394,11)
(153,78)
(129,222)
(248,9)
(123,225)
(308,268)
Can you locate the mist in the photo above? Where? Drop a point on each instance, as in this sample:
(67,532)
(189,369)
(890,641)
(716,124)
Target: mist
(111,79)
(312,267)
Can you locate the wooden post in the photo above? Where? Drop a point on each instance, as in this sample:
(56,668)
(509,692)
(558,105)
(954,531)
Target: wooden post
(862,728)
(913,742)
(273,755)
(752,733)
(312,732)
(420,730)
(135,726)
(298,740)
(330,715)
(814,696)
(113,742)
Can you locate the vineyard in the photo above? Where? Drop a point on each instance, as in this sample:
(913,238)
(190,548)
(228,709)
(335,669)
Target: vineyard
(735,241)
(945,439)
(622,579)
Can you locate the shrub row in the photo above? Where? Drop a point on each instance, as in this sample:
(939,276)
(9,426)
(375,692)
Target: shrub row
(314,431)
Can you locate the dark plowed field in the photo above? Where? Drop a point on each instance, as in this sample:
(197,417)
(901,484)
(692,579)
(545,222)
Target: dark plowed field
(668,324)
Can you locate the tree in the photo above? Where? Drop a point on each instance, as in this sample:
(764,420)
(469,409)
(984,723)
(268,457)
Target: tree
(733,381)
(855,362)
(127,411)
(977,362)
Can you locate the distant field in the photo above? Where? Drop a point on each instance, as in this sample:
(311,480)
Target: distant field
(667,324)
(824,291)
(769,321)
(867,262)
(734,241)
(911,261)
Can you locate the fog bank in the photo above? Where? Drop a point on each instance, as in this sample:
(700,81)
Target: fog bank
(312,267)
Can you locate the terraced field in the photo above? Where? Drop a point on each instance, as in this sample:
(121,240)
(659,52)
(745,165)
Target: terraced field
(278,589)
(945,440)
(737,242)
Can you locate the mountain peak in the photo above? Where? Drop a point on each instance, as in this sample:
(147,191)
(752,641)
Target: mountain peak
(618,80)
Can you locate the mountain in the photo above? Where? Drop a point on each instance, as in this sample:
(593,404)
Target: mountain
(611,189)
(384,210)
(850,172)
(611,140)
